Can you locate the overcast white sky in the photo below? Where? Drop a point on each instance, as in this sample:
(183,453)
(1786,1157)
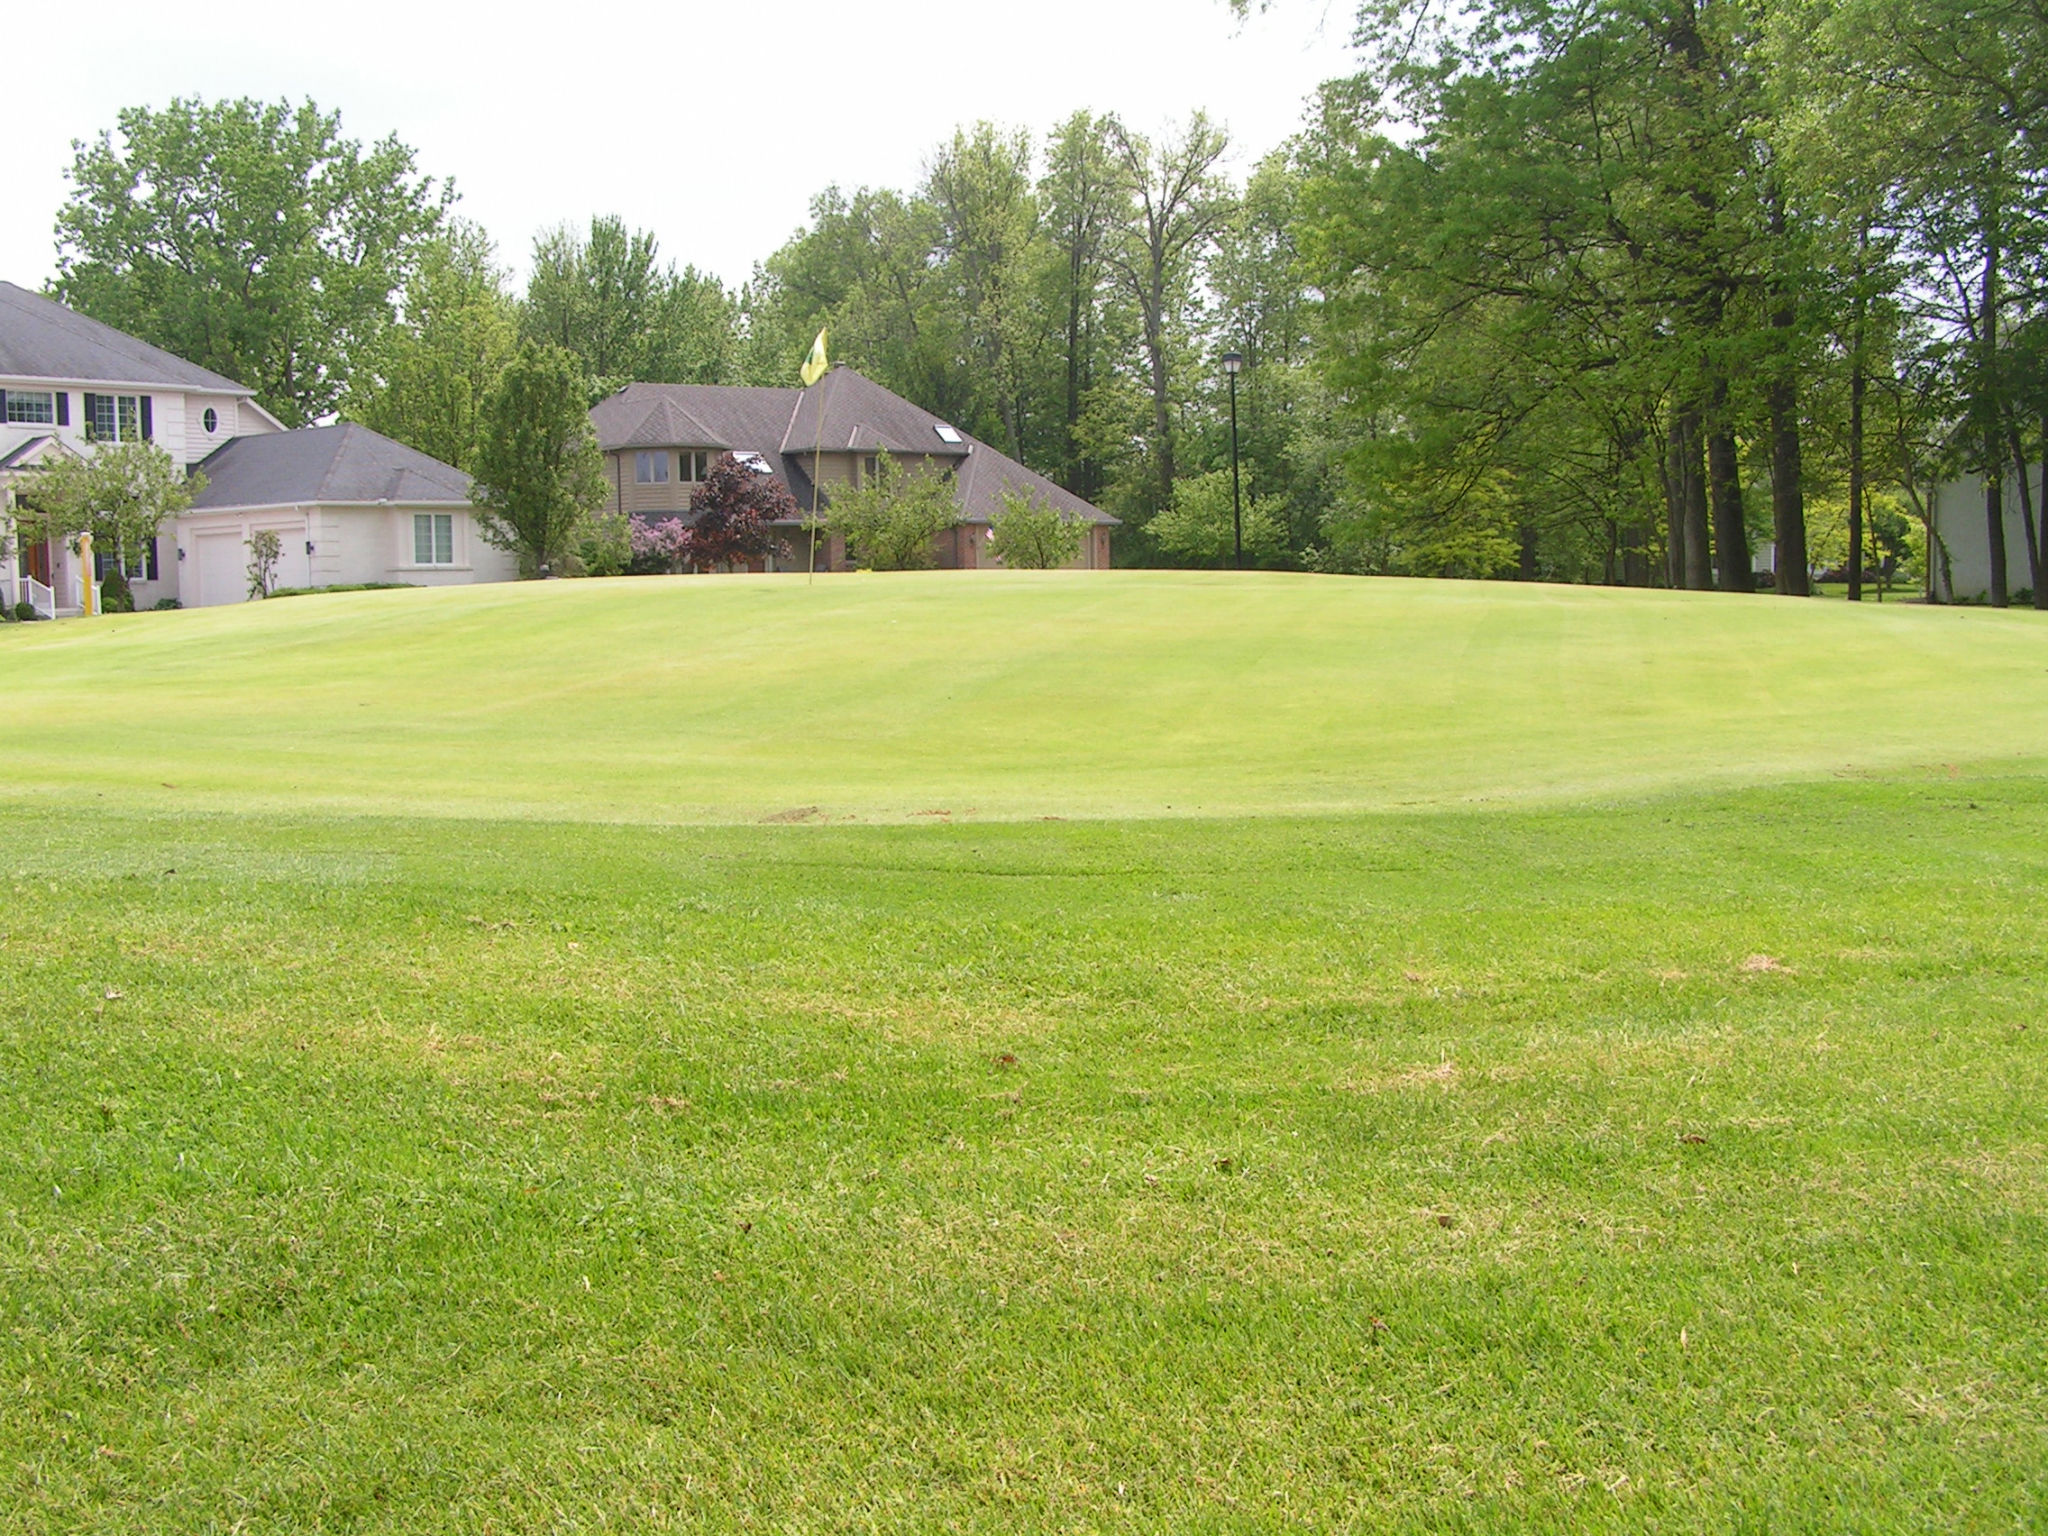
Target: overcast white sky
(712,124)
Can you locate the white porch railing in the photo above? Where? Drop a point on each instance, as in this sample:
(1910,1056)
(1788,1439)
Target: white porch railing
(40,597)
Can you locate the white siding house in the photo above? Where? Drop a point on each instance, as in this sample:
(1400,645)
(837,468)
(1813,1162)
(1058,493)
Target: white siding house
(348,505)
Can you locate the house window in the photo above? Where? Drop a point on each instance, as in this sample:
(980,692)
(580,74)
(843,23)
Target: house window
(135,567)
(650,468)
(870,469)
(36,408)
(433,538)
(695,464)
(210,420)
(114,418)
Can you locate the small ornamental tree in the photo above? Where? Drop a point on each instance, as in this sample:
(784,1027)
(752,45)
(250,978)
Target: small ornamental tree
(120,493)
(1027,536)
(891,521)
(265,548)
(539,475)
(735,510)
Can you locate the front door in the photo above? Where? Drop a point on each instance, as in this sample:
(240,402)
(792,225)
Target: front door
(35,559)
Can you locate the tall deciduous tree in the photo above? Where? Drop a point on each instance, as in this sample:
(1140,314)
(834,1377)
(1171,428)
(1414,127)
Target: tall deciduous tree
(251,238)
(538,473)
(1180,201)
(426,381)
(603,298)
(1085,196)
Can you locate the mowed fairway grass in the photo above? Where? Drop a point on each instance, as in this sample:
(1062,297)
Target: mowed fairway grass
(1188,1054)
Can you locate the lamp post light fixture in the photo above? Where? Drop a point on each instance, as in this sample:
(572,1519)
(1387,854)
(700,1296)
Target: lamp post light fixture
(1233,364)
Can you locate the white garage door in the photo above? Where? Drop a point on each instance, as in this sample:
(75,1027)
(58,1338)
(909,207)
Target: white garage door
(223,561)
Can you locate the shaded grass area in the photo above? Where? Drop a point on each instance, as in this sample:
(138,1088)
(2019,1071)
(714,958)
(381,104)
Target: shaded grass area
(1671,1165)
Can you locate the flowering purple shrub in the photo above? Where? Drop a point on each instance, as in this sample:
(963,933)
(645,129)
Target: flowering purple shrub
(661,546)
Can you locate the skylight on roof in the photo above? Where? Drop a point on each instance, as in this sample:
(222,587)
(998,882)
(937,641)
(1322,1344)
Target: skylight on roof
(946,433)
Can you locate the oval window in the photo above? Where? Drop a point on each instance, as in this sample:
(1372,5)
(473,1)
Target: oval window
(211,419)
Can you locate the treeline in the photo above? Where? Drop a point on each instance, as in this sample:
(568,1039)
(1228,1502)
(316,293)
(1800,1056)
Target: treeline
(1621,291)
(1643,283)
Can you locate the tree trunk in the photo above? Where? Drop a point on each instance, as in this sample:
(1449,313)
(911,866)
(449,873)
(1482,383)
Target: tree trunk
(1699,559)
(1674,506)
(2019,463)
(1525,565)
(1162,406)
(2040,587)
(1788,496)
(1788,491)
(1989,411)
(1732,570)
(1858,384)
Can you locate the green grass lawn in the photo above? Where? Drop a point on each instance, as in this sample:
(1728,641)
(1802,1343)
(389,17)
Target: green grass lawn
(414,1129)
(995,695)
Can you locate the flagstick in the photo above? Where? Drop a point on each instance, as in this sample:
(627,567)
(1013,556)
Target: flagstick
(817,458)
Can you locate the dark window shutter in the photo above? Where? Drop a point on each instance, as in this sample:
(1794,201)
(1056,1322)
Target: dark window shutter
(152,561)
(148,424)
(100,563)
(86,398)
(3,405)
(63,408)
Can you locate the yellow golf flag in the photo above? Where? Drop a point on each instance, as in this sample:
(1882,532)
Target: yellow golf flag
(815,365)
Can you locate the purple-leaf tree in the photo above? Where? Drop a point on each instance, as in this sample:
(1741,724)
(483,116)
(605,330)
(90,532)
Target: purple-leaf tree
(736,508)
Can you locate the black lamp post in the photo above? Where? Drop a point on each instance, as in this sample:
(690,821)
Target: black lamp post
(1233,362)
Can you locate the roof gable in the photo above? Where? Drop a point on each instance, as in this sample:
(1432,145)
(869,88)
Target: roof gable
(42,339)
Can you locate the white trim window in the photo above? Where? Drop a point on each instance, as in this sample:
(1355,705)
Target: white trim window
(696,464)
(115,418)
(433,538)
(650,468)
(32,407)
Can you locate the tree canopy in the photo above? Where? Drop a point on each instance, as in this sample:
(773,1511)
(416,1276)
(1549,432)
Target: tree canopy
(252,238)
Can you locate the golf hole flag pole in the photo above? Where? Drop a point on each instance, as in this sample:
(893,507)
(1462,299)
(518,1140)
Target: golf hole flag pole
(815,368)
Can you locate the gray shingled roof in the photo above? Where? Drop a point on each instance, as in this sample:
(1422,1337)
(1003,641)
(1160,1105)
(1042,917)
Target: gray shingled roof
(703,416)
(782,426)
(345,463)
(986,474)
(847,411)
(41,339)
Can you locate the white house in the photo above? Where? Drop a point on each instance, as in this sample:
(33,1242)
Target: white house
(348,504)
(1961,558)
